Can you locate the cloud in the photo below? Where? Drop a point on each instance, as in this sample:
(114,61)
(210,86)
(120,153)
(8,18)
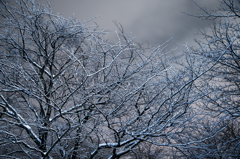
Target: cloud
(152,21)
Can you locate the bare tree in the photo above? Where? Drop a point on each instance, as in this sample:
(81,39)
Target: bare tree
(219,141)
(222,46)
(218,136)
(66,92)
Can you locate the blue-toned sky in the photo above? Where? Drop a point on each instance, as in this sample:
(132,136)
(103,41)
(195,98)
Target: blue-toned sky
(154,21)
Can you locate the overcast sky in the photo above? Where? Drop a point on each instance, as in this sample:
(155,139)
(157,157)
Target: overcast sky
(154,21)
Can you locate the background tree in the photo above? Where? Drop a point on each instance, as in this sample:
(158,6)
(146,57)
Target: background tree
(219,51)
(67,92)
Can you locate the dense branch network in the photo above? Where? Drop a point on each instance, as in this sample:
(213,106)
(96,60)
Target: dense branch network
(68,92)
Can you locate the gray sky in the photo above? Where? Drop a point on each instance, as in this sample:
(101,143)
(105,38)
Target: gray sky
(154,21)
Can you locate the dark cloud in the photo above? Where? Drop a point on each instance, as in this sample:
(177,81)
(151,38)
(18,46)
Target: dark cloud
(152,21)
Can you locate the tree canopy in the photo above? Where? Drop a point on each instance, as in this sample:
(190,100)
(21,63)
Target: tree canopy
(69,92)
